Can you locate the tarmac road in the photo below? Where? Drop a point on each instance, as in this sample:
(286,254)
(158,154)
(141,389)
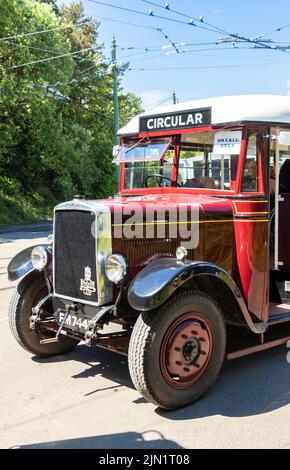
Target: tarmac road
(85,399)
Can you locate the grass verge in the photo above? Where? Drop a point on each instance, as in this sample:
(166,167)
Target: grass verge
(17,209)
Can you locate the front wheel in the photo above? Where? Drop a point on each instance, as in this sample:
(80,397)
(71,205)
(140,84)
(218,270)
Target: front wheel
(176,353)
(27,294)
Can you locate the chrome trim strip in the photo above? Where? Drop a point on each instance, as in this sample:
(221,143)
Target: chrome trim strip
(74,299)
(103,247)
(277,191)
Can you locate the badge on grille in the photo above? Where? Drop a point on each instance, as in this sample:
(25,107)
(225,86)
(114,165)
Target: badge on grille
(87,285)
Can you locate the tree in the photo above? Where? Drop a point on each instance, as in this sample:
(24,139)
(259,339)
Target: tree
(53,3)
(56,116)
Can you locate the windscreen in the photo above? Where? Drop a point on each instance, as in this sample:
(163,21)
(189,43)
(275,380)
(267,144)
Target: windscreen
(148,164)
(205,160)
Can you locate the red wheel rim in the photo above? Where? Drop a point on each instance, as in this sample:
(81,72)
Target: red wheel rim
(186,350)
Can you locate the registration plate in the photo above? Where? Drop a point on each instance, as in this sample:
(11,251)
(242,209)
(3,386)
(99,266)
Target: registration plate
(74,321)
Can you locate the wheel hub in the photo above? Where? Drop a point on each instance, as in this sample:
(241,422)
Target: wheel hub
(186,350)
(191,350)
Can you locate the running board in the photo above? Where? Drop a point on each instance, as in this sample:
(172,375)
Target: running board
(257,348)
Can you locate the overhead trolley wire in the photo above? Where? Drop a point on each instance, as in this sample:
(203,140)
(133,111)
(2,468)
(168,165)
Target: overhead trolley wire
(183,44)
(114,20)
(199,20)
(32,62)
(195,51)
(100,60)
(155,105)
(280,28)
(33,33)
(198,67)
(173,44)
(234,36)
(166,18)
(26,46)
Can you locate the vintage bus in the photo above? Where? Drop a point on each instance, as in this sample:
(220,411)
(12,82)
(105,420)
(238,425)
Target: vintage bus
(188,264)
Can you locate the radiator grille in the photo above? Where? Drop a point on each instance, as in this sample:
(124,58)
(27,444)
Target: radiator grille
(74,250)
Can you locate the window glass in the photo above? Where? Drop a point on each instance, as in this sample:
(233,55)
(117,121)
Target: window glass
(141,151)
(149,174)
(209,159)
(249,183)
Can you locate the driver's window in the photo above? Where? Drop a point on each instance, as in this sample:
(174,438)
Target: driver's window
(149,174)
(137,172)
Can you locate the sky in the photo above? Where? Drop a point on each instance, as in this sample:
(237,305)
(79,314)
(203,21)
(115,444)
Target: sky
(201,71)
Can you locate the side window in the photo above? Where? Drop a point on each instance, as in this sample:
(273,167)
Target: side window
(209,159)
(250,181)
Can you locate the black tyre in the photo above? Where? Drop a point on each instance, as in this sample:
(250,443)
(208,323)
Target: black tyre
(176,353)
(25,296)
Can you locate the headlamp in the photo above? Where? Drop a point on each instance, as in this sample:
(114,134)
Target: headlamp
(116,268)
(39,257)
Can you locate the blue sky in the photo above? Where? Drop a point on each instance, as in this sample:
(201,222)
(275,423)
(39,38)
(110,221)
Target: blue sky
(220,69)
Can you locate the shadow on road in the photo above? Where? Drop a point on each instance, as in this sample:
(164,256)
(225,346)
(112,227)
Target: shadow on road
(4,240)
(110,365)
(29,231)
(12,237)
(126,440)
(247,386)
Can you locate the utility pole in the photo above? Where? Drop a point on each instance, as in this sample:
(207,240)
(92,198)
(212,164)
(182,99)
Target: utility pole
(116,103)
(174,100)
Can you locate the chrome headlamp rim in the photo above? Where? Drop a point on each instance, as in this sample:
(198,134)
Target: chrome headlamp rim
(39,257)
(181,253)
(49,239)
(116,268)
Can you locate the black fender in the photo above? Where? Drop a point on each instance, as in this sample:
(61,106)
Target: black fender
(159,280)
(21,264)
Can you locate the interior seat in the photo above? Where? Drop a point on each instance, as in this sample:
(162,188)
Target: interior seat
(207,182)
(200,182)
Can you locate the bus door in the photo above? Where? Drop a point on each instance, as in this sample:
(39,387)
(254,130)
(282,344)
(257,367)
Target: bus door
(280,199)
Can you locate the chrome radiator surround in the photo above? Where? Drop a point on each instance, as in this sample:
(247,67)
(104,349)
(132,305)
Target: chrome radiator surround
(102,233)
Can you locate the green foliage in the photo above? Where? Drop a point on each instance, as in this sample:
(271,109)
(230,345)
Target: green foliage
(56,116)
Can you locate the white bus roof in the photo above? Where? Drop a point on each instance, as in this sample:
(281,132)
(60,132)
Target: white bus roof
(224,109)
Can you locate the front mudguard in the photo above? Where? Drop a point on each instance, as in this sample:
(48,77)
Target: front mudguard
(21,264)
(159,280)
